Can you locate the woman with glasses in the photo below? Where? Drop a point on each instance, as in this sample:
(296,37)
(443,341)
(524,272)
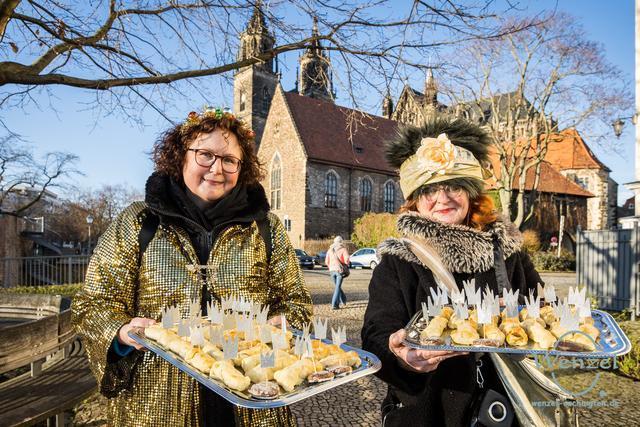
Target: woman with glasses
(209,235)
(442,176)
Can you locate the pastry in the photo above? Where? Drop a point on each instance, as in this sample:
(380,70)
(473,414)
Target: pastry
(320,377)
(265,390)
(465,334)
(435,328)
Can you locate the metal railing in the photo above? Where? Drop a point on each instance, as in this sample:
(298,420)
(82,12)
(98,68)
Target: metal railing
(43,270)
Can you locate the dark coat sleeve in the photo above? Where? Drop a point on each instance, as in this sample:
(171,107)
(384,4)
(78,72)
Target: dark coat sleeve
(392,293)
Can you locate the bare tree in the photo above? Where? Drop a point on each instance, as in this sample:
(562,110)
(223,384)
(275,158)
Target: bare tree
(132,52)
(25,179)
(526,86)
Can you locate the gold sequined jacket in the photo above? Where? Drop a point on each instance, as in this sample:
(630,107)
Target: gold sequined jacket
(116,290)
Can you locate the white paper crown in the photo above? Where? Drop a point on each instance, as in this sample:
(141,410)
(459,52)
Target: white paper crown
(183,328)
(265,333)
(484,312)
(577,296)
(196,337)
(510,296)
(215,335)
(268,359)
(214,313)
(439,296)
(458,296)
(585,309)
(461,311)
(473,294)
(568,319)
(170,316)
(533,306)
(278,340)
(262,314)
(230,348)
(425,311)
(320,328)
(194,309)
(226,303)
(549,293)
(228,321)
(339,336)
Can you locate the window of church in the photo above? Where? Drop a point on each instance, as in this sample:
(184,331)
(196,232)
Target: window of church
(389,197)
(365,195)
(331,190)
(276,183)
(583,181)
(243,100)
(265,99)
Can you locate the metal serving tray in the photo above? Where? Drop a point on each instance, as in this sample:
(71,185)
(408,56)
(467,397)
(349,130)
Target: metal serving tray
(370,365)
(611,342)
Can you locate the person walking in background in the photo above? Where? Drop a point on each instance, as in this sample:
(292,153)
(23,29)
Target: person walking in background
(337,259)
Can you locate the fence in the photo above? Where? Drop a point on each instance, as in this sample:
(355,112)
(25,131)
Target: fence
(44,270)
(607,263)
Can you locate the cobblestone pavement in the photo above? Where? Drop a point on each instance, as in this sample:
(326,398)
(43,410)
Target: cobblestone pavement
(358,403)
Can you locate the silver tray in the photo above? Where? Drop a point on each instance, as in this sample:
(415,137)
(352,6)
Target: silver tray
(370,365)
(611,342)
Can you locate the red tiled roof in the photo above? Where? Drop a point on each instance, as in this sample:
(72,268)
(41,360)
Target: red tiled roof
(567,150)
(340,135)
(551,181)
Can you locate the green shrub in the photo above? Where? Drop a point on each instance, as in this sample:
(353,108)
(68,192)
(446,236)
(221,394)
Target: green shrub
(373,228)
(67,290)
(531,241)
(629,364)
(548,261)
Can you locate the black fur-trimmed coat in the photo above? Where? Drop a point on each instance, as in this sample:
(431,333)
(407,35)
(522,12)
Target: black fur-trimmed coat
(399,285)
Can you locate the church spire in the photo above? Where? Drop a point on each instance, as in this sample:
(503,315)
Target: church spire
(256,39)
(387,105)
(430,89)
(315,77)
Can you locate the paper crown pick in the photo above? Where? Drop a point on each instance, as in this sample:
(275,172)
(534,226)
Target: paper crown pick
(243,323)
(261,316)
(458,296)
(194,309)
(196,337)
(226,303)
(425,311)
(268,359)
(214,313)
(170,316)
(183,328)
(339,336)
(473,294)
(320,328)
(549,293)
(568,319)
(228,321)
(278,340)
(584,310)
(510,296)
(297,345)
(433,307)
(488,293)
(533,306)
(283,323)
(577,296)
(307,347)
(439,296)
(461,311)
(265,333)
(230,348)
(215,335)
(484,312)
(512,309)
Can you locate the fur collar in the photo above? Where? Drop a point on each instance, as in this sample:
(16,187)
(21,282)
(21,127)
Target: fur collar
(462,249)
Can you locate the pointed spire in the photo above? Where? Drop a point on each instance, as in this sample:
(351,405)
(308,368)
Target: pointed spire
(430,88)
(387,105)
(315,76)
(257,23)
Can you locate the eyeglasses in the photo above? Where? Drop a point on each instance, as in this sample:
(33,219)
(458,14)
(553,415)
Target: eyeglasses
(431,192)
(205,158)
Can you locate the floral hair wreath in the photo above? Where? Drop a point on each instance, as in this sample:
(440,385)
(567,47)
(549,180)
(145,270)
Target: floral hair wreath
(194,119)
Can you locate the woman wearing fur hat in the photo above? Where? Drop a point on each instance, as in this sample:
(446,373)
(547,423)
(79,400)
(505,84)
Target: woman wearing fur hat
(337,256)
(442,178)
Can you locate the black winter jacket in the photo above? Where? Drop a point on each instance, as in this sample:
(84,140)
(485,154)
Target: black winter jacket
(399,285)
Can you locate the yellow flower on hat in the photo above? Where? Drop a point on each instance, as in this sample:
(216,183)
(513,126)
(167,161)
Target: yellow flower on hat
(436,155)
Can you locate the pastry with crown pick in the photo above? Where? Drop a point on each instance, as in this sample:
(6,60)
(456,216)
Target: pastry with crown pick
(434,329)
(233,378)
(289,377)
(516,336)
(548,314)
(202,361)
(539,334)
(154,332)
(491,335)
(465,334)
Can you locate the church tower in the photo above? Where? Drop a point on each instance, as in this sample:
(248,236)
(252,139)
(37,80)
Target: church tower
(430,96)
(314,78)
(253,86)
(387,105)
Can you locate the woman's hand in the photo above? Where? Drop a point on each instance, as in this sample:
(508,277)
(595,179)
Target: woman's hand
(421,361)
(135,323)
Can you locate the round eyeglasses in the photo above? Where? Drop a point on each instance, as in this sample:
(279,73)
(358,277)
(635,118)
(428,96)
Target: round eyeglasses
(206,158)
(431,192)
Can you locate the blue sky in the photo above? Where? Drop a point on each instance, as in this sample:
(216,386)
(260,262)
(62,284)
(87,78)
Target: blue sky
(113,151)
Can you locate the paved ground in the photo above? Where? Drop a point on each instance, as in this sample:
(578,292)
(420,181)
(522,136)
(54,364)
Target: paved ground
(358,403)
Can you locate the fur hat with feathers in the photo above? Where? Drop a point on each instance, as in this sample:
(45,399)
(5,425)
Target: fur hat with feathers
(460,132)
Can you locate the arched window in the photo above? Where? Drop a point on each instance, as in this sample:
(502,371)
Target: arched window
(331,190)
(243,100)
(365,194)
(389,197)
(265,99)
(276,183)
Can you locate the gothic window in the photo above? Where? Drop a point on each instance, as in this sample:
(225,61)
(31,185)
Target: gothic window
(276,183)
(243,100)
(331,190)
(583,181)
(265,99)
(389,197)
(365,194)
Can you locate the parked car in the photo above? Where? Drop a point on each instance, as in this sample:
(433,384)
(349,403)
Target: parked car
(364,258)
(304,259)
(319,258)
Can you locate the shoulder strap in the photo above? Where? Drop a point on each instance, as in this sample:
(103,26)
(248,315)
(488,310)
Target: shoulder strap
(265,232)
(149,226)
(500,268)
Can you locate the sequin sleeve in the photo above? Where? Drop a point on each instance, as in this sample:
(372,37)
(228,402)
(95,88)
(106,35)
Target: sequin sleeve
(106,302)
(288,294)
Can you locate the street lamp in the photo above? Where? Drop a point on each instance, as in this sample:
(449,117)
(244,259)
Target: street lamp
(619,124)
(89,222)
